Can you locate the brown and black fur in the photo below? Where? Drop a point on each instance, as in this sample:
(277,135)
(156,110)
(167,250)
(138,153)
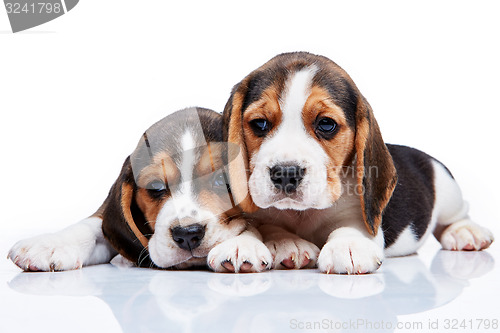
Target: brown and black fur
(165,134)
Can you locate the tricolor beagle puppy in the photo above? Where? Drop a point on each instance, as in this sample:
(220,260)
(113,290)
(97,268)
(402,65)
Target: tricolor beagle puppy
(320,175)
(169,207)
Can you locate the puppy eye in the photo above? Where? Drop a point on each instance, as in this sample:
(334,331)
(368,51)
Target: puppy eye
(260,126)
(219,180)
(156,188)
(327,125)
(157,185)
(326,128)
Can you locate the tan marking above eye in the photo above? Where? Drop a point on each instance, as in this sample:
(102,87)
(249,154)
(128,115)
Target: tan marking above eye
(162,168)
(320,104)
(211,158)
(340,147)
(267,107)
(263,109)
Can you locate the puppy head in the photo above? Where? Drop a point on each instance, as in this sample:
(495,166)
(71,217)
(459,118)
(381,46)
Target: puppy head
(304,126)
(171,201)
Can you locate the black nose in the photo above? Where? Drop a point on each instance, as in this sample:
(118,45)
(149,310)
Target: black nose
(188,238)
(287,177)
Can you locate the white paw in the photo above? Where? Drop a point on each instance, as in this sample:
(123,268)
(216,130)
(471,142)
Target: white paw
(467,236)
(121,262)
(351,255)
(242,254)
(292,252)
(51,252)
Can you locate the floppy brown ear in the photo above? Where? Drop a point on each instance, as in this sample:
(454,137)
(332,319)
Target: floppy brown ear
(123,224)
(238,163)
(376,173)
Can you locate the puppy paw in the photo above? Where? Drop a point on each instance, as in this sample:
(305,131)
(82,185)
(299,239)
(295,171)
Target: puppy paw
(242,254)
(292,253)
(466,236)
(350,255)
(50,252)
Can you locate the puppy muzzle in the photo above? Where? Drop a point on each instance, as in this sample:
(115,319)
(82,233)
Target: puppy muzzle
(286,178)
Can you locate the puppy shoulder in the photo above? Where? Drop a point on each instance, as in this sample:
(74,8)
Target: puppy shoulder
(412,202)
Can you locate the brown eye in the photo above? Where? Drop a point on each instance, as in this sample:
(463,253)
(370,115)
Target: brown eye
(326,128)
(260,126)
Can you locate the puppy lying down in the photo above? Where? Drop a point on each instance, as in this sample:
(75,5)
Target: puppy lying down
(297,142)
(320,175)
(170,207)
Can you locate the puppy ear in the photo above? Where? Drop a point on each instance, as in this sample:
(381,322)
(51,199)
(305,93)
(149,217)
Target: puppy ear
(123,223)
(375,170)
(238,157)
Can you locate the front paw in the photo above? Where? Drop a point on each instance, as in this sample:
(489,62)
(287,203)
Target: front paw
(242,254)
(351,255)
(50,252)
(292,253)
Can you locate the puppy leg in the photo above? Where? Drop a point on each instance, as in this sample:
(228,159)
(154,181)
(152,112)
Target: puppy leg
(81,244)
(454,229)
(351,250)
(289,251)
(463,235)
(244,253)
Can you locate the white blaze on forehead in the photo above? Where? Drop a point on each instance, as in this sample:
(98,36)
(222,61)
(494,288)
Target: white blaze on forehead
(183,200)
(188,156)
(292,144)
(296,92)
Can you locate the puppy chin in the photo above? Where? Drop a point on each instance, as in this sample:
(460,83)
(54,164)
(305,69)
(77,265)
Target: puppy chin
(288,203)
(166,255)
(193,262)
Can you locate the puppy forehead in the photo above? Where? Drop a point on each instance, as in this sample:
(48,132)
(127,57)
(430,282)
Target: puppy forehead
(279,72)
(165,143)
(296,92)
(341,90)
(161,167)
(177,157)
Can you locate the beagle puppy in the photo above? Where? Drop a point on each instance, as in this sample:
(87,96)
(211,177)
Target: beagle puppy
(170,207)
(319,174)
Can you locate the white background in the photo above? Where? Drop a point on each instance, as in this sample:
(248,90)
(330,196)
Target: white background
(77,93)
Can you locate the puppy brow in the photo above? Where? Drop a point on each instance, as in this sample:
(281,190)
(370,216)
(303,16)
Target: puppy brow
(340,90)
(261,81)
(164,169)
(211,158)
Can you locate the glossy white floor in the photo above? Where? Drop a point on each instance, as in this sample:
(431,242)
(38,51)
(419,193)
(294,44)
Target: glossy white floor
(434,291)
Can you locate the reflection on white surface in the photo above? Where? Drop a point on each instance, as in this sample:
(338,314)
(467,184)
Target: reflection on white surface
(145,300)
